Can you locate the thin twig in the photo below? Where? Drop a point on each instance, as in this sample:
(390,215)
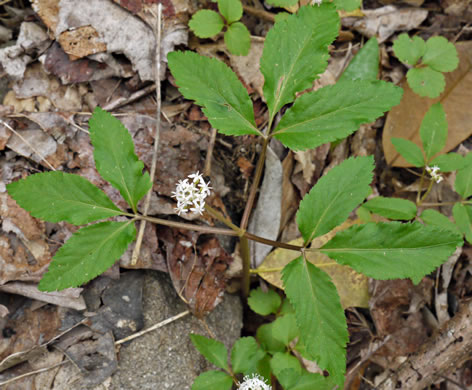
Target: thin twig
(147,200)
(39,371)
(260,13)
(123,101)
(27,143)
(211,146)
(154,327)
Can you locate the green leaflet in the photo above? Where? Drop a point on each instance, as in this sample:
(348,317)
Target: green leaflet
(334,112)
(267,340)
(213,350)
(440,54)
(206,23)
(392,208)
(232,10)
(245,355)
(449,162)
(292,380)
(88,253)
(217,380)
(433,130)
(319,314)
(282,3)
(393,250)
(435,218)
(285,329)
(409,50)
(409,151)
(217,89)
(347,5)
(426,81)
(264,303)
(463,217)
(282,361)
(296,52)
(115,158)
(58,196)
(463,183)
(365,64)
(334,196)
(238,39)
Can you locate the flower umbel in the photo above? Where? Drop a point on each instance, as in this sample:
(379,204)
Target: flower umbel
(191,196)
(434,173)
(254,382)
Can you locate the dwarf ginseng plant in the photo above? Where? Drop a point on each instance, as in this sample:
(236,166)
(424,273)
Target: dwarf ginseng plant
(295,53)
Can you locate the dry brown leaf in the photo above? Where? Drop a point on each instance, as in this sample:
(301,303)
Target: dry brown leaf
(404,120)
(352,287)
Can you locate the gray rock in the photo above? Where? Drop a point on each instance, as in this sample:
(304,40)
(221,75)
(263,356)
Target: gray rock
(165,358)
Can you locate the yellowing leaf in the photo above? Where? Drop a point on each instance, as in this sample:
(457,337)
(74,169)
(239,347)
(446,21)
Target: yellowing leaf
(404,120)
(352,286)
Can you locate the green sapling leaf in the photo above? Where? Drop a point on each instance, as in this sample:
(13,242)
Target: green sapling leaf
(217,380)
(87,253)
(267,340)
(409,151)
(392,208)
(216,88)
(264,303)
(214,350)
(409,50)
(448,162)
(115,158)
(463,183)
(347,5)
(334,112)
(245,355)
(426,81)
(334,196)
(313,28)
(58,196)
(463,217)
(232,10)
(238,39)
(285,329)
(435,218)
(206,23)
(365,64)
(393,250)
(317,307)
(440,54)
(433,130)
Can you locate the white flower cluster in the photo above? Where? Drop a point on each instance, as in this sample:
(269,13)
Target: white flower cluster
(434,173)
(191,196)
(254,382)
(318,2)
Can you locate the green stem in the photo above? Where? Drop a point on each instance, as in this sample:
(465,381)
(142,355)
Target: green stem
(418,195)
(438,204)
(246,257)
(220,217)
(426,193)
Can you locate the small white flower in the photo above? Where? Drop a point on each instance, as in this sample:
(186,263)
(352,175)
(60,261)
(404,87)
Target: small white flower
(434,173)
(191,196)
(317,2)
(254,382)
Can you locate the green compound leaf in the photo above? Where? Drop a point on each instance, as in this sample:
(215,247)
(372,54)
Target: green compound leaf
(245,355)
(264,303)
(334,196)
(232,10)
(238,39)
(409,50)
(393,250)
(334,112)
(426,82)
(285,329)
(463,217)
(115,158)
(296,52)
(217,380)
(463,183)
(433,130)
(267,340)
(213,350)
(58,196)
(282,3)
(365,64)
(88,253)
(319,314)
(435,218)
(409,151)
(392,208)
(440,54)
(217,89)
(206,23)
(347,5)
(449,162)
